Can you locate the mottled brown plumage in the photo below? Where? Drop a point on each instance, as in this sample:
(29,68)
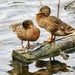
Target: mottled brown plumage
(26,32)
(52,24)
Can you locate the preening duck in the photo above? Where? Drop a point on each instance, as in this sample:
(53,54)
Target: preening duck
(52,24)
(26,31)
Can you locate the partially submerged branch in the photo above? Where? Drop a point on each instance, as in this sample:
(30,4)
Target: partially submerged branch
(69,4)
(66,44)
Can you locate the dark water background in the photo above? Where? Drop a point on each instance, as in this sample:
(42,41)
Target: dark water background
(16,11)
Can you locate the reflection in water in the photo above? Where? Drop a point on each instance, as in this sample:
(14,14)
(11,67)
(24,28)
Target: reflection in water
(19,69)
(51,68)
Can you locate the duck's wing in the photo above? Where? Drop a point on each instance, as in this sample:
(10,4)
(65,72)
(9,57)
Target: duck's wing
(56,20)
(49,24)
(61,23)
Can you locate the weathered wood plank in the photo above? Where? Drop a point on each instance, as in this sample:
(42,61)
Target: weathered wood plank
(48,50)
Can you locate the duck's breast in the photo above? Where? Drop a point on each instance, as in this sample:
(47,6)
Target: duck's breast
(32,34)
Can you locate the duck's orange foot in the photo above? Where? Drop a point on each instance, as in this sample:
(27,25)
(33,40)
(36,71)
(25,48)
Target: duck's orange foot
(24,50)
(48,40)
(51,39)
(29,46)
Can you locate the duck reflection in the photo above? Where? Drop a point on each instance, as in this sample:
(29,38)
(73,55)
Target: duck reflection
(50,68)
(53,66)
(19,69)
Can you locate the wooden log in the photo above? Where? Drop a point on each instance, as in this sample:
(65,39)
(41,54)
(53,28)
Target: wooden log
(46,50)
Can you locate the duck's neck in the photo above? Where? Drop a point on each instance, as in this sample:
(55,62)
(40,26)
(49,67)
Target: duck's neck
(39,16)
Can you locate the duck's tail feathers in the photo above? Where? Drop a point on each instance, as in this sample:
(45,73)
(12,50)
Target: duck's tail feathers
(70,32)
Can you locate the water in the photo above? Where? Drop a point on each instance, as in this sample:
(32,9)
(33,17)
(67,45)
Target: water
(16,11)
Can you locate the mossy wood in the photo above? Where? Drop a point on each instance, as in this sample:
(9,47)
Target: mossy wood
(48,50)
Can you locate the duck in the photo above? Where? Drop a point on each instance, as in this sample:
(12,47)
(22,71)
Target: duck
(54,25)
(26,31)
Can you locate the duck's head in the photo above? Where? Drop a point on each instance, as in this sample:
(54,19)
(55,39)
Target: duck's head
(27,23)
(46,10)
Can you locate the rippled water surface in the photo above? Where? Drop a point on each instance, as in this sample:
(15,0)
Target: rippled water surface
(16,11)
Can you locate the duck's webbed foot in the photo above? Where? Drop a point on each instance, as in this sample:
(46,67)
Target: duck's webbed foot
(25,49)
(51,39)
(29,46)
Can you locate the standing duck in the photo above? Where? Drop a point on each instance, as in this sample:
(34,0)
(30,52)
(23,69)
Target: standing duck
(52,24)
(26,32)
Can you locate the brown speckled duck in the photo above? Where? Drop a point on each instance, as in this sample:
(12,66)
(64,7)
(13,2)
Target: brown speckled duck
(26,32)
(52,24)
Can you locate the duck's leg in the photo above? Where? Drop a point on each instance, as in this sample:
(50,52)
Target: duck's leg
(22,45)
(54,37)
(51,59)
(51,38)
(28,45)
